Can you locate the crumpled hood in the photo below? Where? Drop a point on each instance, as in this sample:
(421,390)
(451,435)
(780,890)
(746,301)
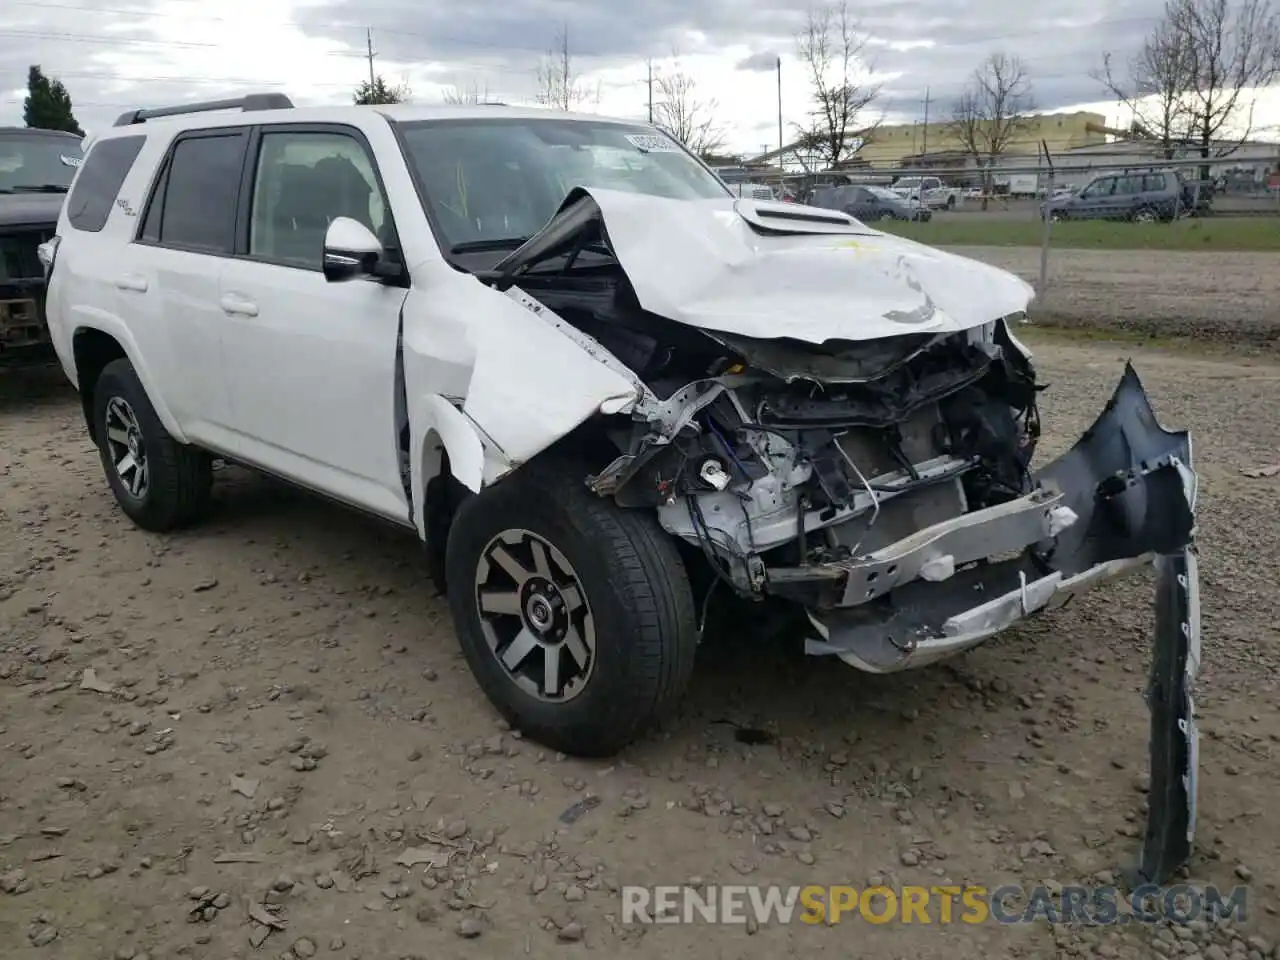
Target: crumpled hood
(766,269)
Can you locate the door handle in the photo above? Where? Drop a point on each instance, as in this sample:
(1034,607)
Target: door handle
(237,305)
(131,281)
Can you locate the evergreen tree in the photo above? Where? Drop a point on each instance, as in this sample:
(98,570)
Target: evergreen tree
(379,91)
(48,105)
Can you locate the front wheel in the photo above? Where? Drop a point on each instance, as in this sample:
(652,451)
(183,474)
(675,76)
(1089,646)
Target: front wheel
(575,615)
(159,483)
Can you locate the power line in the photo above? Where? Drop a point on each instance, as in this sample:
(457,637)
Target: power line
(82,38)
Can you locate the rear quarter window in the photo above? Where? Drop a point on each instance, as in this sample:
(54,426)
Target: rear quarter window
(98,182)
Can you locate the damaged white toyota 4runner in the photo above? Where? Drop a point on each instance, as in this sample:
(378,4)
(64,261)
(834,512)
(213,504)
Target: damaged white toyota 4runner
(591,380)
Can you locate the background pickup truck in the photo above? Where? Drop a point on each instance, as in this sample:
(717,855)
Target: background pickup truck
(930,191)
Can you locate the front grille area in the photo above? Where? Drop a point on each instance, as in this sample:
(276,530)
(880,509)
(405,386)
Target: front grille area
(22,289)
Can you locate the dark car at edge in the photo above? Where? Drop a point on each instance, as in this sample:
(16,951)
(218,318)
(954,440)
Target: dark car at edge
(36,170)
(869,203)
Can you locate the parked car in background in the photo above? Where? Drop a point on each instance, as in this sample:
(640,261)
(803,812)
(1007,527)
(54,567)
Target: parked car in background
(929,191)
(869,203)
(1144,197)
(754,191)
(36,169)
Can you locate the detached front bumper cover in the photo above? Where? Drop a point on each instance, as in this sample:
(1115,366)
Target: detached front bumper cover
(1130,486)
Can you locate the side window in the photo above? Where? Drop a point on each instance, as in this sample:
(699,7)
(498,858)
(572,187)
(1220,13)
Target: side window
(198,193)
(1154,182)
(151,220)
(99,180)
(303,181)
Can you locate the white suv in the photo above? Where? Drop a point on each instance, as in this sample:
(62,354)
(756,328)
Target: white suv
(603,391)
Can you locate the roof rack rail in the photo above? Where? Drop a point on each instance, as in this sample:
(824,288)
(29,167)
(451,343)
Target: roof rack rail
(252,101)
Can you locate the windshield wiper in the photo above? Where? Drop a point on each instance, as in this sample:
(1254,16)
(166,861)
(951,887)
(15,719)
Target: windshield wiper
(40,188)
(483,246)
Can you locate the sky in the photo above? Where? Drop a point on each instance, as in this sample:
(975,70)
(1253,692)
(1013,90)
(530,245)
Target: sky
(115,55)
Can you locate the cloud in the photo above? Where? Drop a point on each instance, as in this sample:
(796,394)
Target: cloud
(759,62)
(169,51)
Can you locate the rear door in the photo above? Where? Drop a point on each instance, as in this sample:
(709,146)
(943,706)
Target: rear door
(858,203)
(186,234)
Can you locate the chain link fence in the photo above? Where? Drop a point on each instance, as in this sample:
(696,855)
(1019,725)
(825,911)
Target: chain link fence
(1185,247)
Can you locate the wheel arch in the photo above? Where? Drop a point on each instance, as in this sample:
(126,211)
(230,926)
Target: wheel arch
(95,346)
(443,442)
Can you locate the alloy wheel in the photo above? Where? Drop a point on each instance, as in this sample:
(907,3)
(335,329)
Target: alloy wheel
(126,447)
(535,616)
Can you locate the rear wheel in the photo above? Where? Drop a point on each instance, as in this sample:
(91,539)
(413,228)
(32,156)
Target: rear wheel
(575,616)
(159,483)
(1145,215)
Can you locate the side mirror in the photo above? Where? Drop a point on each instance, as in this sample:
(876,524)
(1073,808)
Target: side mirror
(350,250)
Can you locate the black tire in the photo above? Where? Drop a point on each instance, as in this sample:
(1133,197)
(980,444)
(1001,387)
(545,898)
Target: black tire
(636,589)
(1146,215)
(179,488)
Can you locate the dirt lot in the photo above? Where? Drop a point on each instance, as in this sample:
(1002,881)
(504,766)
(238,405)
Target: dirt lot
(294,652)
(1217,296)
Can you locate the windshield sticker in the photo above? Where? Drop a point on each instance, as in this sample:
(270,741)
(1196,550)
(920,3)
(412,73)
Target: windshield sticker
(652,143)
(70,161)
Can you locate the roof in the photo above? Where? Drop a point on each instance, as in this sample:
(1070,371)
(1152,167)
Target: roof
(398,112)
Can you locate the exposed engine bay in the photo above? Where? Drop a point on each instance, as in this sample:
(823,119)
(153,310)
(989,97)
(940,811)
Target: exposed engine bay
(883,484)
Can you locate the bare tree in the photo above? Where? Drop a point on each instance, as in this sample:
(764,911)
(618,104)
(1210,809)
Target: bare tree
(470,94)
(1234,51)
(1154,87)
(1199,73)
(559,86)
(683,114)
(833,51)
(992,111)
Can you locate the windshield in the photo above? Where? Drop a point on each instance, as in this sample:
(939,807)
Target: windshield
(497,180)
(35,161)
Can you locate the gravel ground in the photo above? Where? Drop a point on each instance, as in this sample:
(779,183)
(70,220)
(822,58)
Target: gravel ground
(1214,296)
(277,710)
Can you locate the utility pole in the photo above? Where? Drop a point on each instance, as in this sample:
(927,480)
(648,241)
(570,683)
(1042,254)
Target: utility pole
(650,91)
(925,148)
(780,143)
(368,40)
(564,68)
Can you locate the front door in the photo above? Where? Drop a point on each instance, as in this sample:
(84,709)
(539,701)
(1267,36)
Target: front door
(310,364)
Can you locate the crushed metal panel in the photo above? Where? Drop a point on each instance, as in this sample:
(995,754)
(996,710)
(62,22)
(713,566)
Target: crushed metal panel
(1175,740)
(703,263)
